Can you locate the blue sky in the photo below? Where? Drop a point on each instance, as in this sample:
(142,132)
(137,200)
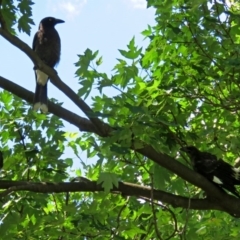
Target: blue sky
(103,25)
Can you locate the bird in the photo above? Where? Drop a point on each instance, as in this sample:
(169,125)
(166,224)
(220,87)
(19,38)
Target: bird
(222,174)
(47,45)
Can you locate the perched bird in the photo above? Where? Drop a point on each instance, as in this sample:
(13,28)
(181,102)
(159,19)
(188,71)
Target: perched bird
(47,45)
(217,171)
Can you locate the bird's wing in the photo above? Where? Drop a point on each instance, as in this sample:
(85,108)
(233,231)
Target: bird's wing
(206,163)
(226,172)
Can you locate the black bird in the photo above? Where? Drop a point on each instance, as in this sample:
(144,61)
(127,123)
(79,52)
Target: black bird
(217,171)
(47,45)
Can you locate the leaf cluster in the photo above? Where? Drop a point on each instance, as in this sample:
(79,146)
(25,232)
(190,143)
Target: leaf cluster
(181,90)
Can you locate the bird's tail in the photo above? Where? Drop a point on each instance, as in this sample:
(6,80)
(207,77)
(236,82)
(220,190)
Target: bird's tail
(40,98)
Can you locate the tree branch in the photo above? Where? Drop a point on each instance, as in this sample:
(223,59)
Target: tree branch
(127,189)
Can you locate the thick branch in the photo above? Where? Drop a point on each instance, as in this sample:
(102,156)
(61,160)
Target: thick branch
(127,189)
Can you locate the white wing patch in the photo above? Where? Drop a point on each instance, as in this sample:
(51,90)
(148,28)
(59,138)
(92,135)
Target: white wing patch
(236,173)
(42,77)
(217,180)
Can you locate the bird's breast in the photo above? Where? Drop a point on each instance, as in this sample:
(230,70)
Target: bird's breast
(48,47)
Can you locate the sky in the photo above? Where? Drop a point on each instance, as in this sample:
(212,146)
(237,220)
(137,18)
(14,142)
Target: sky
(103,25)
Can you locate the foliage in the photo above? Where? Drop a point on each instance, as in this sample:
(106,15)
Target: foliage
(183,89)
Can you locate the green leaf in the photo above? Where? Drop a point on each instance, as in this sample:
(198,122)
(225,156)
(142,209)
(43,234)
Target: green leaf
(108,181)
(24,23)
(99,61)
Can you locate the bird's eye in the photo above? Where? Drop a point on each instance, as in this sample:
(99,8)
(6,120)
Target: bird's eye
(50,19)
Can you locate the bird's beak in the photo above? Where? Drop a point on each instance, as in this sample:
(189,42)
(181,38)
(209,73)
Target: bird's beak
(59,21)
